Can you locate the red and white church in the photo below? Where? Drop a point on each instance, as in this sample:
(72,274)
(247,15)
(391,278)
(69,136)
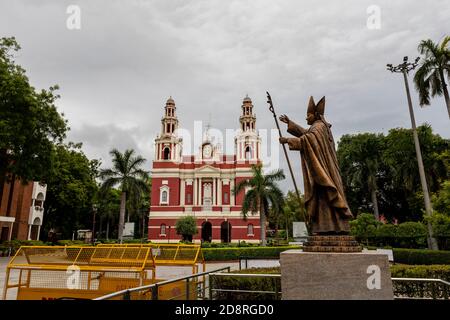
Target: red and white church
(201,185)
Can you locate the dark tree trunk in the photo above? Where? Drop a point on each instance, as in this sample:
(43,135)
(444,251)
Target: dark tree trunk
(373,194)
(262,223)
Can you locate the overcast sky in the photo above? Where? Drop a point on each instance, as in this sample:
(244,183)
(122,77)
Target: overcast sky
(117,71)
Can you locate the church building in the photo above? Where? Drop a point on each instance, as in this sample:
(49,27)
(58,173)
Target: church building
(201,185)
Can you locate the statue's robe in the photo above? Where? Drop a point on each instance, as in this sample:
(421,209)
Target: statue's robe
(324,193)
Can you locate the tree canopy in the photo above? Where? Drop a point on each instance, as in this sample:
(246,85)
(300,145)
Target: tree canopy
(71,190)
(29,121)
(399,192)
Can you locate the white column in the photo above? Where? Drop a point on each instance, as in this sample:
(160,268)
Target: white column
(214,193)
(39,232)
(219,192)
(29,232)
(182,192)
(200,189)
(231,192)
(195,191)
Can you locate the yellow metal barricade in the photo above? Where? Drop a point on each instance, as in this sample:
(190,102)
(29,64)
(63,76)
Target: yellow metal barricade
(85,272)
(175,255)
(52,272)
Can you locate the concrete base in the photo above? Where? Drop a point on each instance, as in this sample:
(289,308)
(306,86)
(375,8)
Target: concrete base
(335,276)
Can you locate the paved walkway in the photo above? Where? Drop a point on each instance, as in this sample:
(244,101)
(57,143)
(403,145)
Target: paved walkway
(162,272)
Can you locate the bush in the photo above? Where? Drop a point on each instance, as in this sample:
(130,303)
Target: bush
(412,234)
(371,232)
(224,254)
(365,225)
(70,242)
(421,256)
(441,229)
(249,284)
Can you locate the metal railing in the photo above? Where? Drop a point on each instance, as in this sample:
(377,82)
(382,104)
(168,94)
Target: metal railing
(420,288)
(214,289)
(151,292)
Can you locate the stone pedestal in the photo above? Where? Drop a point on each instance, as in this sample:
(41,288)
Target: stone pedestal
(335,276)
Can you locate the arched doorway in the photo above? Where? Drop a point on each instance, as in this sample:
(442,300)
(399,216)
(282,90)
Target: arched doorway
(225,232)
(206,231)
(166,154)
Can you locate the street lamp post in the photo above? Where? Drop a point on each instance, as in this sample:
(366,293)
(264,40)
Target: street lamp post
(404,68)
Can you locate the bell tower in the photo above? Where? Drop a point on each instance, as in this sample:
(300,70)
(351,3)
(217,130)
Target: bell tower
(168,146)
(247,141)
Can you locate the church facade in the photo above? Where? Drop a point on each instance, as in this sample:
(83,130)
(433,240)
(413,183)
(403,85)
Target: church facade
(201,185)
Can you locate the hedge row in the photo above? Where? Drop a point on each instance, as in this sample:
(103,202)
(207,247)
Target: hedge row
(223,254)
(421,256)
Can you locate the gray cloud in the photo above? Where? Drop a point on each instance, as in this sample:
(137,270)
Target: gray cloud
(129,56)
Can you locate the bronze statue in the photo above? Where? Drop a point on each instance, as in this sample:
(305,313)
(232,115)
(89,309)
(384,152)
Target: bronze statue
(324,193)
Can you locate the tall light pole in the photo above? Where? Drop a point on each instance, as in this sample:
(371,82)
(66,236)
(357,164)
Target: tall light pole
(404,68)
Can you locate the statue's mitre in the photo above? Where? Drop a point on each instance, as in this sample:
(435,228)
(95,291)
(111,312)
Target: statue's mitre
(316,108)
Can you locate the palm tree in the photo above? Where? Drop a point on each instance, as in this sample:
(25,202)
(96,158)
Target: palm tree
(262,190)
(430,77)
(127,174)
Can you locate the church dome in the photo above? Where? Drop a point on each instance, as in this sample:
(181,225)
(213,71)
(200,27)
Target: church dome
(247,99)
(170,100)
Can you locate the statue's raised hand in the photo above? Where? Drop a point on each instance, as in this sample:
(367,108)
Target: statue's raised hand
(284,118)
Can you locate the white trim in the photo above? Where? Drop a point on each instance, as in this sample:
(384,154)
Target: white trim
(163,189)
(7,219)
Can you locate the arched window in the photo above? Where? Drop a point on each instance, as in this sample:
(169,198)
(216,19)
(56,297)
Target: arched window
(166,153)
(162,230)
(250,229)
(164,195)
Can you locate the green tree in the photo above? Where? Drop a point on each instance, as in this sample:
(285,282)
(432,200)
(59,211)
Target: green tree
(128,175)
(108,209)
(293,210)
(400,156)
(186,227)
(138,206)
(360,160)
(71,190)
(434,68)
(29,121)
(261,192)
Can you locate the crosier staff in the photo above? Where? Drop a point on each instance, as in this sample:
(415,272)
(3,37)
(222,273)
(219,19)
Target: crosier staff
(271,108)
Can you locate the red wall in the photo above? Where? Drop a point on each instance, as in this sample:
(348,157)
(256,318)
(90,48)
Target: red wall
(174,190)
(236,233)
